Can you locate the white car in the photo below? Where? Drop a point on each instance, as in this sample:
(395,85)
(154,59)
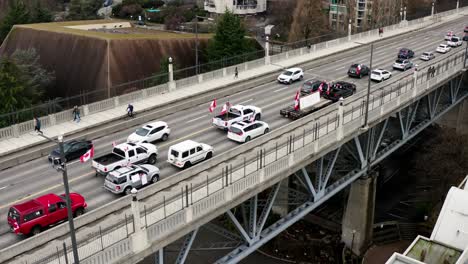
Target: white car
(443,48)
(380,75)
(150,132)
(188,152)
(427,56)
(402,64)
(245,131)
(291,75)
(449,35)
(455,42)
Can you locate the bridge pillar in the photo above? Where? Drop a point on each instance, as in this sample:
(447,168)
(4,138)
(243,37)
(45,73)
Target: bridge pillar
(267,51)
(140,237)
(359,214)
(172,85)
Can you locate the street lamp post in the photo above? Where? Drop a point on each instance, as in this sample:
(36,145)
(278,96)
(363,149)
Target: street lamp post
(63,168)
(368,88)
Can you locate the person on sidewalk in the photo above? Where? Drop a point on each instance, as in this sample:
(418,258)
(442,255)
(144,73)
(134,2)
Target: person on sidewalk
(380,31)
(37,125)
(76,114)
(130,110)
(236,73)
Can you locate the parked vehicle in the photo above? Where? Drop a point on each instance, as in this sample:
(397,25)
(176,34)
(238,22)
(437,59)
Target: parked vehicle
(236,113)
(443,48)
(455,42)
(427,56)
(380,75)
(33,216)
(402,64)
(123,180)
(291,75)
(358,70)
(188,152)
(307,105)
(465,29)
(465,38)
(73,149)
(340,90)
(124,154)
(405,53)
(449,35)
(245,131)
(150,132)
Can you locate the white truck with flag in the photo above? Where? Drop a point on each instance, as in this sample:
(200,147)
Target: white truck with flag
(124,155)
(236,113)
(305,105)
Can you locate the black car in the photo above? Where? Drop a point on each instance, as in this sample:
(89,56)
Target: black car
(405,54)
(465,38)
(310,86)
(338,90)
(73,149)
(358,70)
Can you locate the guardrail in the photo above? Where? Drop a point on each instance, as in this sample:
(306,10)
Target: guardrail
(64,116)
(190,196)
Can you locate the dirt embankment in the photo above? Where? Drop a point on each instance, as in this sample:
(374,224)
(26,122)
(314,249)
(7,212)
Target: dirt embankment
(83,63)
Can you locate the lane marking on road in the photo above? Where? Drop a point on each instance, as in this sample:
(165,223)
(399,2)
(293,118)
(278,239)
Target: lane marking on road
(4,187)
(186,137)
(195,119)
(281,89)
(340,68)
(46,190)
(241,103)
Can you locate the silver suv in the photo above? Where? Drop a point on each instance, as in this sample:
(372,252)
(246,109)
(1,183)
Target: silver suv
(124,179)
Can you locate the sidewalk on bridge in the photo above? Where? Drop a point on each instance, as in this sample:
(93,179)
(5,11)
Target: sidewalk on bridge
(31,139)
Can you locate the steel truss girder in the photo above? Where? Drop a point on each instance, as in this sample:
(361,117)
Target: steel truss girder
(186,247)
(239,253)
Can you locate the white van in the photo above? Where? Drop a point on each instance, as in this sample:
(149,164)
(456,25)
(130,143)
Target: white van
(188,152)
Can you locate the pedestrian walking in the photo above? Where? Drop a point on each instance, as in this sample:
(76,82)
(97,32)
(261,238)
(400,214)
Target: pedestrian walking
(236,73)
(380,31)
(433,70)
(76,114)
(37,125)
(429,72)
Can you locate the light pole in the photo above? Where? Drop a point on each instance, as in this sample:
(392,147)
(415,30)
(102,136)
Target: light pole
(63,168)
(196,40)
(432,10)
(368,88)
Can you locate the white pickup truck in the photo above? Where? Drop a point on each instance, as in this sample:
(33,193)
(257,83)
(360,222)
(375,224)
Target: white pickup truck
(236,113)
(124,154)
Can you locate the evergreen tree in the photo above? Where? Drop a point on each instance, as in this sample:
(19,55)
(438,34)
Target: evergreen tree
(83,9)
(11,88)
(40,14)
(17,14)
(229,39)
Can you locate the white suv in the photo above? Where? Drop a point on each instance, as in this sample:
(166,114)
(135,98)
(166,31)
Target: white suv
(291,75)
(150,132)
(455,42)
(443,48)
(245,131)
(380,75)
(188,152)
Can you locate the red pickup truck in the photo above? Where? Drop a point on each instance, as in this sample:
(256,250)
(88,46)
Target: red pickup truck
(35,215)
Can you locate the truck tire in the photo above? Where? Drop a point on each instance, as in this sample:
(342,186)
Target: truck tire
(152,159)
(187,164)
(35,230)
(79,211)
(128,190)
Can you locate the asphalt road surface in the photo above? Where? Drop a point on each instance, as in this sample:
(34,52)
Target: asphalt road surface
(37,177)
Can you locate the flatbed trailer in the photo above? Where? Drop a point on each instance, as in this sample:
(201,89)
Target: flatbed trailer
(293,114)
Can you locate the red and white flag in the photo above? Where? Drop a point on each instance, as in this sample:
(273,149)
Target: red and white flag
(113,144)
(15,227)
(88,155)
(225,108)
(296,101)
(212,106)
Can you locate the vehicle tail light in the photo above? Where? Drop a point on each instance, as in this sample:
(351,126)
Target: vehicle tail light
(117,188)
(105,169)
(240,133)
(225,123)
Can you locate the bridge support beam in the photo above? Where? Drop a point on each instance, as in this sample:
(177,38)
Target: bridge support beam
(359,215)
(457,118)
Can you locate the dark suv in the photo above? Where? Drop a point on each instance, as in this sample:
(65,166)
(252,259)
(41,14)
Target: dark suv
(358,70)
(339,89)
(405,54)
(73,149)
(310,86)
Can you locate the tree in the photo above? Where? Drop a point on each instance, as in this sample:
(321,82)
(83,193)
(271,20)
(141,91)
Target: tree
(163,75)
(17,14)
(229,39)
(309,21)
(11,88)
(83,9)
(35,79)
(40,14)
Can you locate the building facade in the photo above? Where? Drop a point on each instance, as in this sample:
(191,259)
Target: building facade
(239,7)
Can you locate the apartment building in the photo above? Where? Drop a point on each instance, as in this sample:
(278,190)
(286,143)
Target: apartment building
(239,7)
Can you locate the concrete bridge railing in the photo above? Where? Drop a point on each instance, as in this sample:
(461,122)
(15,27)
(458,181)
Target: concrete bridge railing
(174,207)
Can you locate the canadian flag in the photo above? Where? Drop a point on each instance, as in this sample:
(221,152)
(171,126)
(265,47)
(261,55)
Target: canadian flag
(88,155)
(212,106)
(15,227)
(225,108)
(296,101)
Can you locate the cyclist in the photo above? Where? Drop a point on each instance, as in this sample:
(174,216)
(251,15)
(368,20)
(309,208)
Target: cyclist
(130,110)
